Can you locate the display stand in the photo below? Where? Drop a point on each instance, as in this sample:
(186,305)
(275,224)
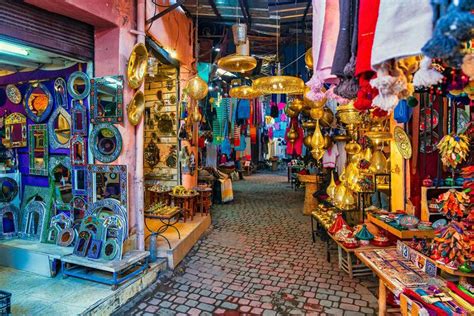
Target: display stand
(112,272)
(204,202)
(401,234)
(187,203)
(168,221)
(311,186)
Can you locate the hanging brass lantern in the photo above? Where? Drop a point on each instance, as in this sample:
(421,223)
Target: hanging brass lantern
(307,140)
(316,113)
(348,200)
(237,63)
(292,135)
(378,163)
(244,92)
(331,189)
(312,104)
(279,85)
(197,88)
(328,117)
(317,142)
(137,64)
(296,105)
(308,58)
(352,148)
(197,116)
(339,194)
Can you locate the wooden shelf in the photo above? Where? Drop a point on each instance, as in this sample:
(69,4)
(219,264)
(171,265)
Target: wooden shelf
(402,234)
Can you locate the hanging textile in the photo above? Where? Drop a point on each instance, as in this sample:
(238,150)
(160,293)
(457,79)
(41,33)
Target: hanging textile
(347,39)
(368,13)
(325,34)
(243,109)
(211,156)
(295,148)
(397,37)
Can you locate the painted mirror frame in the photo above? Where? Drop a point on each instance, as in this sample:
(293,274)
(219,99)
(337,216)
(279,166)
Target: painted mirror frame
(12,231)
(60,92)
(79,180)
(113,206)
(106,142)
(30,98)
(78,208)
(120,178)
(63,128)
(103,110)
(15,131)
(27,230)
(64,184)
(72,83)
(38,140)
(58,223)
(78,150)
(79,118)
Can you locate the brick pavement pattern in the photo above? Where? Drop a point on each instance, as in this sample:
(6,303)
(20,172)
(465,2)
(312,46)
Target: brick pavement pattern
(258,258)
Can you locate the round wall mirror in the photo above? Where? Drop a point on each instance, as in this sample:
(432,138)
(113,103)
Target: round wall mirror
(78,85)
(106,142)
(38,102)
(8,189)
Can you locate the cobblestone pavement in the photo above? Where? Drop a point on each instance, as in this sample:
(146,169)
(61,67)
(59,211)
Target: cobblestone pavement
(257,259)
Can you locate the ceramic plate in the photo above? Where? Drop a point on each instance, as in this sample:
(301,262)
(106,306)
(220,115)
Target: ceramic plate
(409,221)
(403,142)
(462,121)
(13,94)
(428,142)
(439,223)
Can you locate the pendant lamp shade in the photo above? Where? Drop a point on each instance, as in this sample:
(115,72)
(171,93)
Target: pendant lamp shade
(244,92)
(279,85)
(237,63)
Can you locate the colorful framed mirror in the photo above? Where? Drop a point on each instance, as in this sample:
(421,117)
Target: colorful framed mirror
(39,153)
(60,92)
(107,182)
(113,237)
(108,207)
(78,150)
(79,208)
(107,100)
(9,215)
(59,127)
(61,179)
(34,221)
(15,131)
(79,118)
(105,142)
(78,85)
(38,102)
(79,180)
(58,223)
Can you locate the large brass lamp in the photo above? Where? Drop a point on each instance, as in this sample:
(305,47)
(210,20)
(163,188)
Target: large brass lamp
(197,88)
(279,85)
(237,63)
(244,92)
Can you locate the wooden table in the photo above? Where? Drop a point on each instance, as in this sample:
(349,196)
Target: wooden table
(401,234)
(160,197)
(187,203)
(204,202)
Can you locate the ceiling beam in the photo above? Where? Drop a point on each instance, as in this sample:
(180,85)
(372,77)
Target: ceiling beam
(214,8)
(243,8)
(306,11)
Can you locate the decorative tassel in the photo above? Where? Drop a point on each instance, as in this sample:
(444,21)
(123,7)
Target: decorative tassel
(389,87)
(315,83)
(440,46)
(332,96)
(426,76)
(347,88)
(366,93)
(315,96)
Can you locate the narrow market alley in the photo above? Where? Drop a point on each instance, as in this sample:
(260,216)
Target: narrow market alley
(258,258)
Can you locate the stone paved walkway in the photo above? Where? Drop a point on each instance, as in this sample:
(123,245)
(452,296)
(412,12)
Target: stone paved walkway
(259,259)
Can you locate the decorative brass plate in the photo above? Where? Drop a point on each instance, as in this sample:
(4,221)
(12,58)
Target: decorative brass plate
(135,108)
(136,69)
(403,142)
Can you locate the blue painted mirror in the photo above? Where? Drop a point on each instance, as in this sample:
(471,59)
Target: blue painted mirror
(38,102)
(59,128)
(79,118)
(78,85)
(61,179)
(79,180)
(107,100)
(39,153)
(60,92)
(106,142)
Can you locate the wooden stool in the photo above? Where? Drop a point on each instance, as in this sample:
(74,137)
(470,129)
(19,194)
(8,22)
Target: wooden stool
(204,200)
(187,203)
